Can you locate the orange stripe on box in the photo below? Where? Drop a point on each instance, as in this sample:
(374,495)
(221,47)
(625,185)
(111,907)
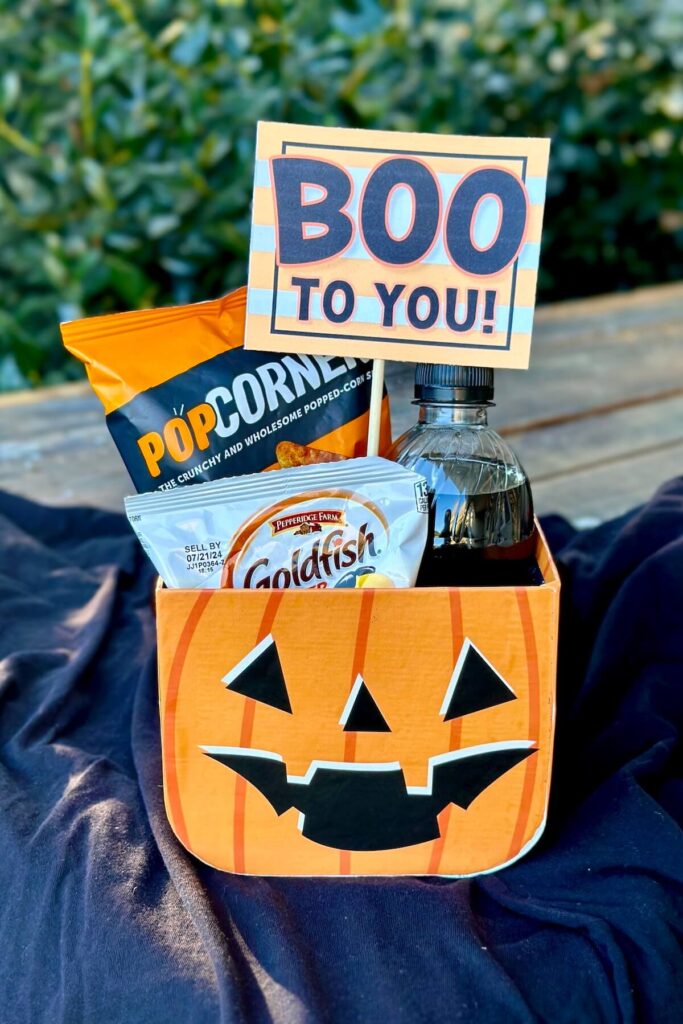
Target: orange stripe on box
(246,732)
(361,646)
(174,677)
(455,738)
(269,615)
(534,722)
(444,818)
(362,632)
(350,746)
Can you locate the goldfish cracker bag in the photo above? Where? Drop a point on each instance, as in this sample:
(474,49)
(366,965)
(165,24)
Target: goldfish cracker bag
(185,402)
(353,524)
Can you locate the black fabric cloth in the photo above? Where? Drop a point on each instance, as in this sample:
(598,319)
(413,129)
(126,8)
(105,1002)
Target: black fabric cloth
(105,918)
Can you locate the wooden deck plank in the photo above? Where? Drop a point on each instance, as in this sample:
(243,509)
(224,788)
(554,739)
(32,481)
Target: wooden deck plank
(595,440)
(585,354)
(607,317)
(594,401)
(590,496)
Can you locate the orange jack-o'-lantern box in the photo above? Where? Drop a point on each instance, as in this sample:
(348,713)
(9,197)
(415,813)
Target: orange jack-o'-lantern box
(359,732)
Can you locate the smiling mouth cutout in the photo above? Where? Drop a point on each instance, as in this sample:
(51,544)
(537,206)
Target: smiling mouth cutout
(367,805)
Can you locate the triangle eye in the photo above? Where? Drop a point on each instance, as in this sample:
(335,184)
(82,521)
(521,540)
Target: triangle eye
(474,686)
(361,713)
(259,675)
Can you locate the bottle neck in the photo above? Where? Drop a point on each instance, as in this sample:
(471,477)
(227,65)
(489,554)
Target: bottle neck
(445,413)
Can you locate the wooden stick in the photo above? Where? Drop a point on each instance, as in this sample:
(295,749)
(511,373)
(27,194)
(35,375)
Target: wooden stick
(375,406)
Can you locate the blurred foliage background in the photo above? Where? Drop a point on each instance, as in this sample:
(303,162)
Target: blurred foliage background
(127,132)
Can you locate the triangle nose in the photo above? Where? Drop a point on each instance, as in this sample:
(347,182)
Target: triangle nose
(361,713)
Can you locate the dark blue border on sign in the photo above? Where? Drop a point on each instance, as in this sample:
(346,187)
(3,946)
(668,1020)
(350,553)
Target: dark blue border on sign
(401,341)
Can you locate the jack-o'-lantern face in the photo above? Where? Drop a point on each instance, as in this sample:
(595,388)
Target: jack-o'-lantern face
(357,732)
(368,805)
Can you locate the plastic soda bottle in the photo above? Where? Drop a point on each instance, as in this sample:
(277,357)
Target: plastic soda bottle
(482,529)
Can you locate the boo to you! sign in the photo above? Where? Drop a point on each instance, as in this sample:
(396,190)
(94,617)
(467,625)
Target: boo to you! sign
(394,245)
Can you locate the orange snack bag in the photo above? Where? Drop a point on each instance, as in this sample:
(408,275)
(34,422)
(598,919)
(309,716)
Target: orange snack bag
(186,402)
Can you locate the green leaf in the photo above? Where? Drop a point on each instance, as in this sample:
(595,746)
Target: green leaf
(10,89)
(129,282)
(162,224)
(95,182)
(11,377)
(191,44)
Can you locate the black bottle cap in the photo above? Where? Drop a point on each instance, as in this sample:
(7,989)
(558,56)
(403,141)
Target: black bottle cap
(437,382)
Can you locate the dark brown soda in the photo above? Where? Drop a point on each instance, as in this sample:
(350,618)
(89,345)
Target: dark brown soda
(484,539)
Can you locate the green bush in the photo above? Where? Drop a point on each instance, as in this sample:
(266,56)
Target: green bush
(127,130)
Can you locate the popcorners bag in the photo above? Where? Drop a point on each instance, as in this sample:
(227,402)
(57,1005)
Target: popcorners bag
(185,402)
